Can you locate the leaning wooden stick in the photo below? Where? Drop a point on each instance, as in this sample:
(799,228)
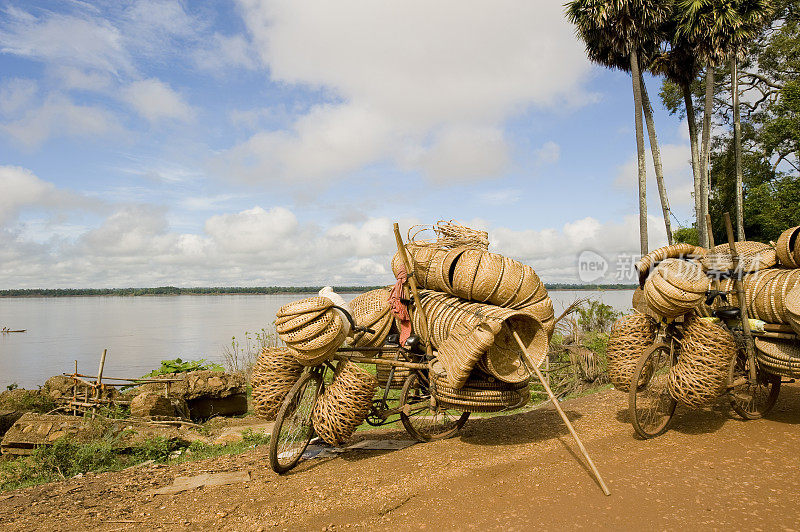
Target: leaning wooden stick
(528,360)
(401,248)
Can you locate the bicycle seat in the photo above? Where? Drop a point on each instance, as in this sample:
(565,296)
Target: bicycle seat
(414,345)
(728,313)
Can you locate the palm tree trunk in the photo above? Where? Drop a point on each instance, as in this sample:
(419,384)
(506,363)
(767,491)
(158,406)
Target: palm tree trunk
(704,167)
(737,149)
(656,153)
(637,102)
(692,120)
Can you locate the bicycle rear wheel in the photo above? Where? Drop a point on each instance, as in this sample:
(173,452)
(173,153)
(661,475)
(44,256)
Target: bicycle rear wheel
(650,404)
(293,428)
(752,400)
(421,417)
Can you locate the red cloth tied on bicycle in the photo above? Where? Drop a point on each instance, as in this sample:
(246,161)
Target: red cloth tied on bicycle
(398,308)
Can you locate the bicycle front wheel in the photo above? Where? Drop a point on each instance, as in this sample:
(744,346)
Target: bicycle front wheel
(293,428)
(650,404)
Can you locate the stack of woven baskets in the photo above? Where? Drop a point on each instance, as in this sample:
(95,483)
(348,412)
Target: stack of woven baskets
(475,302)
(675,287)
(311,328)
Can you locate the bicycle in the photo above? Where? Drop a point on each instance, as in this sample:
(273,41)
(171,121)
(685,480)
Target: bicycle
(752,390)
(415,406)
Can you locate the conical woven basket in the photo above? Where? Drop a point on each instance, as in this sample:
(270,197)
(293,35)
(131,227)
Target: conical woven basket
(302,306)
(273,375)
(463,348)
(701,373)
(371,310)
(480,393)
(629,337)
(503,357)
(344,405)
(684,275)
(667,300)
(788,249)
(779,357)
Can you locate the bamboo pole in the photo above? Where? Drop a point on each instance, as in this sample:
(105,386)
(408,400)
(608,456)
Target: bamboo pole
(413,283)
(382,362)
(737,285)
(528,360)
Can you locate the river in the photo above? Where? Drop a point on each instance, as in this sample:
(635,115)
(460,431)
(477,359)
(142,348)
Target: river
(141,331)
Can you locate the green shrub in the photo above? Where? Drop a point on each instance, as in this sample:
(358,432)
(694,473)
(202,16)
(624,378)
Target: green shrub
(176,365)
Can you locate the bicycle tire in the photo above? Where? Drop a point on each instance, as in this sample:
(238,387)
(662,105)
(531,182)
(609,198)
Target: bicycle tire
(650,405)
(748,400)
(293,428)
(427,422)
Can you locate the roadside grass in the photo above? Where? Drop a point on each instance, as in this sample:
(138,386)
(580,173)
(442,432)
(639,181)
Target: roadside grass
(66,458)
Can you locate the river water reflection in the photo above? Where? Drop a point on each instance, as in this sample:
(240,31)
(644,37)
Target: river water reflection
(141,331)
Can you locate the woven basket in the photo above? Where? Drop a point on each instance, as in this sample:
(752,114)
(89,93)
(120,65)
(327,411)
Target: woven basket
(503,357)
(793,308)
(778,357)
(754,256)
(701,373)
(344,405)
(372,310)
(788,249)
(480,393)
(463,348)
(629,337)
(684,275)
(316,340)
(273,375)
(675,251)
(667,300)
(382,374)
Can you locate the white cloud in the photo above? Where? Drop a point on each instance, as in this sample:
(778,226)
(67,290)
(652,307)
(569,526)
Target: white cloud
(156,101)
(503,196)
(678,180)
(22,189)
(59,116)
(416,81)
(82,42)
(464,153)
(549,153)
(16,94)
(226,52)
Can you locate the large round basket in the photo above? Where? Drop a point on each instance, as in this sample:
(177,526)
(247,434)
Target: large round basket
(629,337)
(779,357)
(345,403)
(674,251)
(371,310)
(674,288)
(793,308)
(480,393)
(701,373)
(273,375)
(788,249)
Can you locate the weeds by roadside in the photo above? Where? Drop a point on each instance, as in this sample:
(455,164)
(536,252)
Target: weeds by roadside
(67,458)
(242,353)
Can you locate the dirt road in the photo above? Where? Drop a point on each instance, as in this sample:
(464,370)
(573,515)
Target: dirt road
(517,472)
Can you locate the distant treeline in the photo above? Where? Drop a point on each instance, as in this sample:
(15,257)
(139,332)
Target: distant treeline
(174,290)
(567,286)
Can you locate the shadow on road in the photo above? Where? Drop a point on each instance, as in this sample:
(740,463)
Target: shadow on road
(525,427)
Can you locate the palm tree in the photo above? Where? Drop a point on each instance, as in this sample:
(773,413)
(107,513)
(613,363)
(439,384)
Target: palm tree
(680,66)
(616,30)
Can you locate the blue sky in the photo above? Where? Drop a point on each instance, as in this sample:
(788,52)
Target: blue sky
(270,142)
